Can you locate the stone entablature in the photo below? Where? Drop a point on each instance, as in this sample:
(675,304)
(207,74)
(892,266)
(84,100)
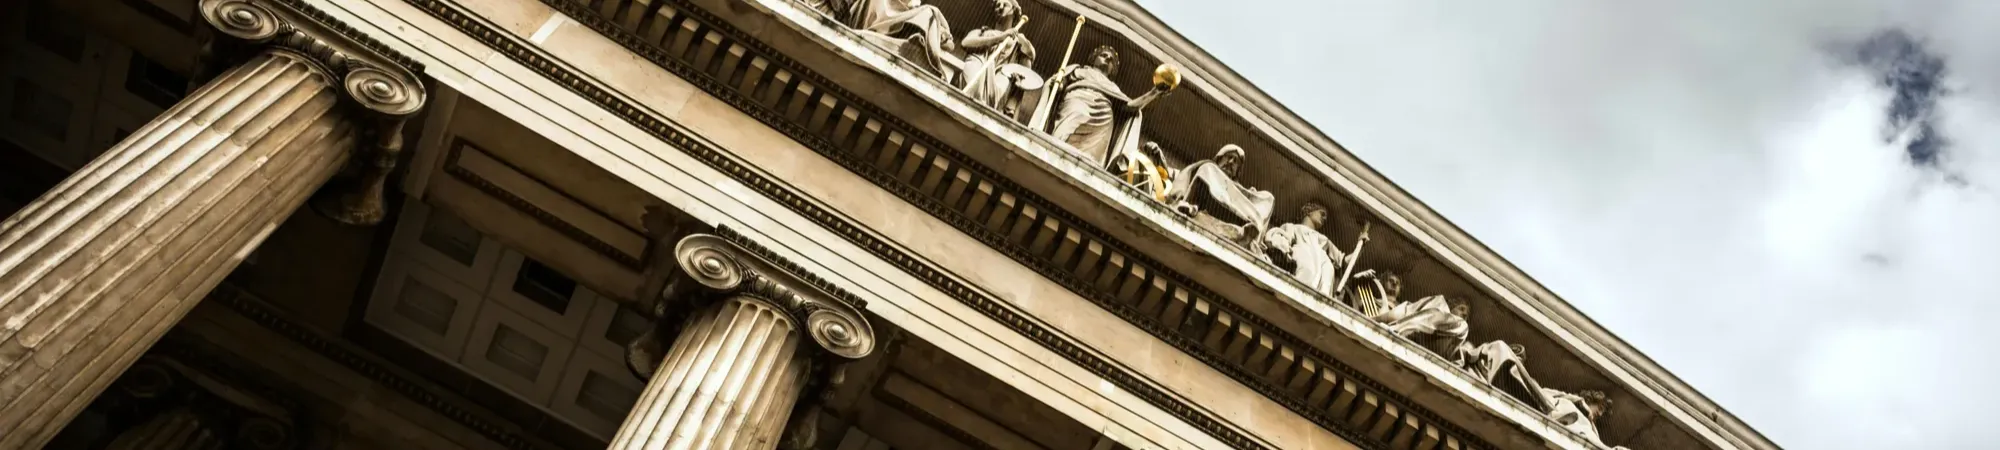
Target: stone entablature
(1109,139)
(1235,340)
(989,206)
(984,202)
(1185,314)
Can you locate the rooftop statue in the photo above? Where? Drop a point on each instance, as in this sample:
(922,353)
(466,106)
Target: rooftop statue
(1000,64)
(1504,366)
(1434,316)
(1315,260)
(1091,113)
(1372,292)
(1208,192)
(1579,412)
(914,30)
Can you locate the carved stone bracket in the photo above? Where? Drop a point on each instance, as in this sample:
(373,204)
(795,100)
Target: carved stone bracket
(379,84)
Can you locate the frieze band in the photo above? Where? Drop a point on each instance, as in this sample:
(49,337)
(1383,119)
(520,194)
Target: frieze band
(1199,185)
(1082,107)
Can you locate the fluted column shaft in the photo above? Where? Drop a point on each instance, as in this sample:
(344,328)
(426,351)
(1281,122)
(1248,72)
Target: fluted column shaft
(753,335)
(728,382)
(96,270)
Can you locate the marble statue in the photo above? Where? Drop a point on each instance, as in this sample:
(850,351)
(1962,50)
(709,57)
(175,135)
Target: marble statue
(1504,366)
(1578,412)
(1435,322)
(1087,104)
(1208,192)
(914,30)
(1372,292)
(1433,315)
(1316,261)
(1001,60)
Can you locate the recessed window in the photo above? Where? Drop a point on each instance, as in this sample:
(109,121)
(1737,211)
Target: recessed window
(156,83)
(544,285)
(626,325)
(426,306)
(54,31)
(604,397)
(41,110)
(451,236)
(516,352)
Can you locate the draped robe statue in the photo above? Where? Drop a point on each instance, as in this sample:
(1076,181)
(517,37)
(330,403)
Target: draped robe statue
(1433,315)
(1504,366)
(1316,261)
(1089,103)
(915,31)
(1578,412)
(1372,293)
(1239,213)
(1000,65)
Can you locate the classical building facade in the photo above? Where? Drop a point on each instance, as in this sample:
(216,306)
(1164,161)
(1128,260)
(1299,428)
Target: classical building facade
(739,224)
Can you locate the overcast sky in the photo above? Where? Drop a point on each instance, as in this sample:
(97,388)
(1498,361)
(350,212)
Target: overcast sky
(1783,202)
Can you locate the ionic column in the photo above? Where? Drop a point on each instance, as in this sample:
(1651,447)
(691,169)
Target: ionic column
(751,341)
(94,271)
(177,429)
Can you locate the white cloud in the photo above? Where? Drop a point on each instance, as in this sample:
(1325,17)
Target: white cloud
(1699,176)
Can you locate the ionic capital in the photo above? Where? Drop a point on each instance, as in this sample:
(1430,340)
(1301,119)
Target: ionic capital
(712,267)
(381,85)
(372,75)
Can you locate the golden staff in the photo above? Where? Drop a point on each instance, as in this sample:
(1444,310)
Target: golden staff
(1073,34)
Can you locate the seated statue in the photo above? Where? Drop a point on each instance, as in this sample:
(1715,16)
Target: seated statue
(1372,292)
(1001,60)
(1505,367)
(1578,412)
(1374,297)
(1433,316)
(1314,258)
(1208,192)
(915,31)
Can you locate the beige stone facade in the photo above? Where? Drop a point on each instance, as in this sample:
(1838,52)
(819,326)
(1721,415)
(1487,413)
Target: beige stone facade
(738,224)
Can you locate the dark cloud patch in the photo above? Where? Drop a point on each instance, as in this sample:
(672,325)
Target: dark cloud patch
(1877,259)
(1915,75)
